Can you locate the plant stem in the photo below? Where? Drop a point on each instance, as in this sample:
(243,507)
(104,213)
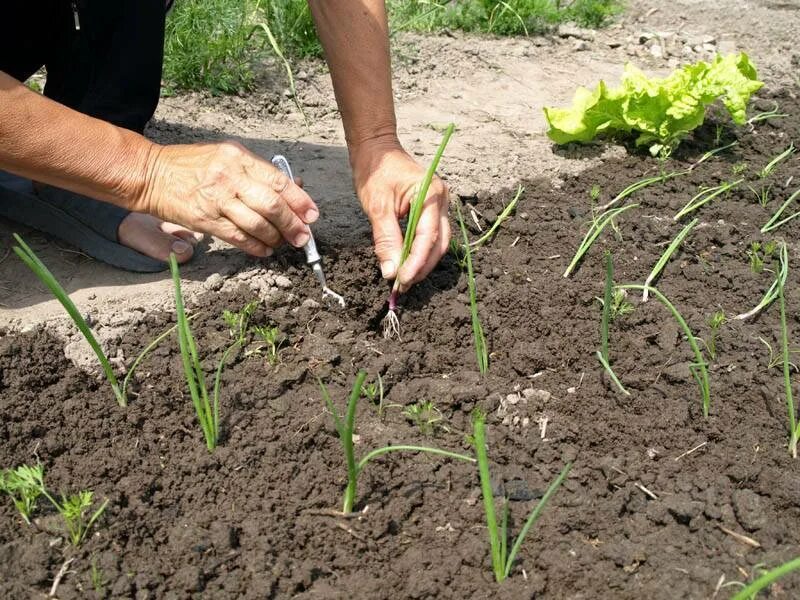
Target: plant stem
(479,433)
(595,229)
(606,318)
(500,219)
(664,259)
(702,378)
(28,256)
(481,353)
(767,579)
(402,448)
(794,430)
(348,427)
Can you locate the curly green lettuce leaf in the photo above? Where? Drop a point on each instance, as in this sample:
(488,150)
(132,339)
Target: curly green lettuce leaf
(662,111)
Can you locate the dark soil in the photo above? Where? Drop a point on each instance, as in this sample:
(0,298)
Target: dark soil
(186,523)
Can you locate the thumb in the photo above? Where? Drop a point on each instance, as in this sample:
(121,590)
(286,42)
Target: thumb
(388,243)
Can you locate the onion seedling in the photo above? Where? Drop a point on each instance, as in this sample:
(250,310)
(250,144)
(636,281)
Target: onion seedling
(705,196)
(662,262)
(602,354)
(763,194)
(794,427)
(502,558)
(772,292)
(776,220)
(46,277)
(698,368)
(595,229)
(767,114)
(206,410)
(499,221)
(764,581)
(478,336)
(391,324)
(346,427)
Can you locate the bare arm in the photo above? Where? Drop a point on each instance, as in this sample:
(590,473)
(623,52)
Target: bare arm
(355,36)
(220,189)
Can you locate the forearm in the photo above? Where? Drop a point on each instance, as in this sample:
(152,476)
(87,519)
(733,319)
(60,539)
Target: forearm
(48,142)
(355,37)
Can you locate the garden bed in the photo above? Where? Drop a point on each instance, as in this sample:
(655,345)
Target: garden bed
(637,516)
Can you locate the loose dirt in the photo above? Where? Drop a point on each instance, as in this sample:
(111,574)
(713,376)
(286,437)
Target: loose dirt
(655,489)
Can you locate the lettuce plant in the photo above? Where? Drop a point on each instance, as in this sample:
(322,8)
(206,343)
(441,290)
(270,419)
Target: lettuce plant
(661,111)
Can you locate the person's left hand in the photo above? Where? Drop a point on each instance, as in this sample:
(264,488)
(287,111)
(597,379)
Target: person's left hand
(386,180)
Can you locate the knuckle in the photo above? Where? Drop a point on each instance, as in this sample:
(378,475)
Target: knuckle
(279,181)
(231,149)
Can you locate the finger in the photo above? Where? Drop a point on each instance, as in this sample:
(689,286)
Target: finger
(227,231)
(193,237)
(263,200)
(252,223)
(442,245)
(298,181)
(388,239)
(427,235)
(292,193)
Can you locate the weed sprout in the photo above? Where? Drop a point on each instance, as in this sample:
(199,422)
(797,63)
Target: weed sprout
(391,324)
(602,354)
(20,485)
(502,558)
(506,212)
(273,339)
(715,322)
(345,429)
(424,415)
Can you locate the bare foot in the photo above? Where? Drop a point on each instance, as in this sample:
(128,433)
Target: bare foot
(156,238)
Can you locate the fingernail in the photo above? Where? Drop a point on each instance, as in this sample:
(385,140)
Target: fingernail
(181,247)
(268,252)
(301,240)
(387,269)
(311,215)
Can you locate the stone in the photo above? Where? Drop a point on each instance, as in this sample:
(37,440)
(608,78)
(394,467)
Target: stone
(310,303)
(656,51)
(580,46)
(214,282)
(533,395)
(282,281)
(749,509)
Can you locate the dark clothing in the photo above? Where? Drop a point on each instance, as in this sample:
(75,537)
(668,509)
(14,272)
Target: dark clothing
(103,57)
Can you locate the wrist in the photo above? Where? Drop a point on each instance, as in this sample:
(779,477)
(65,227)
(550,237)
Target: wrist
(144,168)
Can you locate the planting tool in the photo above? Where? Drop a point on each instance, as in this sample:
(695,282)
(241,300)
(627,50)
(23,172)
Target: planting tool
(313,257)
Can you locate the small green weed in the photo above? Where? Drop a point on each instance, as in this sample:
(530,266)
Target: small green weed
(272,340)
(424,415)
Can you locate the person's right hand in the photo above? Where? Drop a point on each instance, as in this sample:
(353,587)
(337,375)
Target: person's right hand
(227,191)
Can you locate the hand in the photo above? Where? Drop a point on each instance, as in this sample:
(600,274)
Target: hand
(386,180)
(228,192)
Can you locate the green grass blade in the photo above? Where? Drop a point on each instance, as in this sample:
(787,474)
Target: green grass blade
(191,363)
(662,262)
(504,534)
(774,223)
(479,432)
(534,516)
(347,443)
(700,364)
(415,210)
(94,517)
(611,374)
(787,379)
(772,292)
(481,352)
(773,164)
(767,579)
(704,197)
(28,256)
(595,229)
(405,448)
(499,221)
(606,318)
(337,421)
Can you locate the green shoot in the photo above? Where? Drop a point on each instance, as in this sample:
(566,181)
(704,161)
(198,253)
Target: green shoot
(767,579)
(704,197)
(391,324)
(499,221)
(770,167)
(273,339)
(776,220)
(481,352)
(766,115)
(424,415)
(502,559)
(619,306)
(756,262)
(794,427)
(739,168)
(239,322)
(46,277)
(98,579)
(698,368)
(29,481)
(715,322)
(207,413)
(374,393)
(772,293)
(594,192)
(21,484)
(346,427)
(595,229)
(777,359)
(602,354)
(662,262)
(762,195)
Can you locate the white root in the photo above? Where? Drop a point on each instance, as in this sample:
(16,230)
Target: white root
(391,326)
